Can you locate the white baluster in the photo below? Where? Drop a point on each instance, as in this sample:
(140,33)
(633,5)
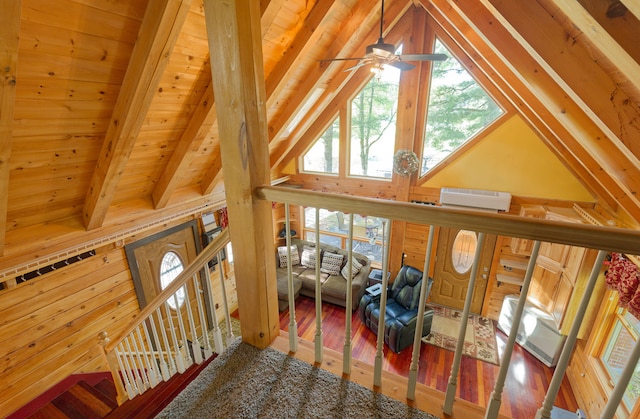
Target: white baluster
(217,333)
(346,351)
(172,365)
(377,366)
(180,363)
(203,321)
(417,339)
(450,395)
(567,350)
(183,333)
(293,324)
(318,336)
(124,374)
(496,395)
(135,368)
(164,368)
(149,355)
(144,371)
(195,346)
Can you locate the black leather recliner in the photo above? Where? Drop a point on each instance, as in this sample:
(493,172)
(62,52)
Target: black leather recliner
(401,310)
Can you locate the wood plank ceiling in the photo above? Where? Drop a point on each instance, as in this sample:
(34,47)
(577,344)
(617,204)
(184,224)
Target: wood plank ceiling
(108,114)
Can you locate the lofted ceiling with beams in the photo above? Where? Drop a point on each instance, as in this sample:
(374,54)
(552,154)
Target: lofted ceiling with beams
(108,115)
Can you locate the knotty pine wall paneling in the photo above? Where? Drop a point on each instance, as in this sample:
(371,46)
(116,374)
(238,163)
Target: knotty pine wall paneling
(49,325)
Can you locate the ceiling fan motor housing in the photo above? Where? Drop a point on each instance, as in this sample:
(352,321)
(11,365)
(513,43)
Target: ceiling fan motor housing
(380,48)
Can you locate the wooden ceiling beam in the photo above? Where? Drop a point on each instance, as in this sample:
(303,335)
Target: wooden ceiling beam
(9,35)
(190,141)
(305,40)
(200,125)
(633,6)
(342,87)
(586,29)
(344,44)
(312,86)
(161,25)
(587,142)
(269,9)
(520,98)
(214,174)
(597,94)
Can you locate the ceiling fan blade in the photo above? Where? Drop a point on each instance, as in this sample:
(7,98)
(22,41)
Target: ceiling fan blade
(363,63)
(423,57)
(401,65)
(342,59)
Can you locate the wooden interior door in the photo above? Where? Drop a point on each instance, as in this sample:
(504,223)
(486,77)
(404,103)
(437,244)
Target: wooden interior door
(145,258)
(450,285)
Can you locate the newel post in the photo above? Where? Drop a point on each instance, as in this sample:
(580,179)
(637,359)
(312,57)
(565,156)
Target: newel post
(110,358)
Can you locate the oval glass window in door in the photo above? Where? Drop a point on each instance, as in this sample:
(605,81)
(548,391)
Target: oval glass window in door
(463,251)
(170,268)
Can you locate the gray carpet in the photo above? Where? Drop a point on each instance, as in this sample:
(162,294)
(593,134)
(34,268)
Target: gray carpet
(246,382)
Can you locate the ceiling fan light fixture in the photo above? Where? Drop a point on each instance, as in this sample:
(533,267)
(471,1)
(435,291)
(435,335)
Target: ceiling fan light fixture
(377,69)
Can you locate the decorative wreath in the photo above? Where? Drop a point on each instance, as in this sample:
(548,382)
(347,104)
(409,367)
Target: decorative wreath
(405,162)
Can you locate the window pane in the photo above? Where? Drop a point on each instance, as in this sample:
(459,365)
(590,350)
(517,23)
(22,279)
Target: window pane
(170,268)
(323,155)
(458,109)
(464,248)
(373,126)
(617,353)
(367,231)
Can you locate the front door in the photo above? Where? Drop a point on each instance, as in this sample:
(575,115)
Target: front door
(146,257)
(455,253)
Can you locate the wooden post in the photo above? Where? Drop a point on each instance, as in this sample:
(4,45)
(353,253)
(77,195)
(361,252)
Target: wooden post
(407,136)
(235,46)
(114,367)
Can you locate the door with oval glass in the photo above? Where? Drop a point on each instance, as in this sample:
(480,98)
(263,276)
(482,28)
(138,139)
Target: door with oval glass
(455,252)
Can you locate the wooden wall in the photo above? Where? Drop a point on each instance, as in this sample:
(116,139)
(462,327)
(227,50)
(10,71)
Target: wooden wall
(49,325)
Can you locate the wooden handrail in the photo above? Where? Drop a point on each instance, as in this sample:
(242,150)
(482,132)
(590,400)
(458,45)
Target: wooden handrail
(198,263)
(574,234)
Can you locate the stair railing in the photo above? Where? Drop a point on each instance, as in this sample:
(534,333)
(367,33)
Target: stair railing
(172,332)
(601,238)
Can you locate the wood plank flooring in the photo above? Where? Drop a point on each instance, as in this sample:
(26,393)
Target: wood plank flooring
(526,383)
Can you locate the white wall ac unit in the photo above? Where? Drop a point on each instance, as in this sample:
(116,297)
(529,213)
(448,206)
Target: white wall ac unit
(475,198)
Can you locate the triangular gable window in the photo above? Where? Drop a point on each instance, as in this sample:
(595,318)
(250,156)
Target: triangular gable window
(458,109)
(322,157)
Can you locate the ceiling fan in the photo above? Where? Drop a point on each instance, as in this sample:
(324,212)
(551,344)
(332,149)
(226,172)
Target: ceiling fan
(380,54)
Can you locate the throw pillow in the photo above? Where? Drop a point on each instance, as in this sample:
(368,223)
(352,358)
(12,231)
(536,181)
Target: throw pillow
(356,268)
(308,258)
(282,254)
(331,263)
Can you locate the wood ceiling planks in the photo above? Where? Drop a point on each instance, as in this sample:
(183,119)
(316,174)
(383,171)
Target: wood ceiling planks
(158,33)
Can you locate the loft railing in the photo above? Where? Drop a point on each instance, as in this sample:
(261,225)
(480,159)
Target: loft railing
(604,239)
(174,331)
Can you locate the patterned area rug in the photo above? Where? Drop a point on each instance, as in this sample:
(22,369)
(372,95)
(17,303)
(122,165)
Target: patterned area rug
(480,338)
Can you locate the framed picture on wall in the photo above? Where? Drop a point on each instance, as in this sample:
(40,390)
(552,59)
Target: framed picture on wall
(207,238)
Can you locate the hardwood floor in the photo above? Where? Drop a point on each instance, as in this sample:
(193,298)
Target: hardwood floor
(525,386)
